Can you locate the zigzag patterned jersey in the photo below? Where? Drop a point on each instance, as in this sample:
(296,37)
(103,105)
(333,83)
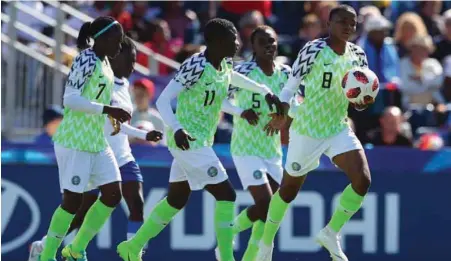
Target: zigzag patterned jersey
(199,104)
(248,140)
(95,79)
(325,108)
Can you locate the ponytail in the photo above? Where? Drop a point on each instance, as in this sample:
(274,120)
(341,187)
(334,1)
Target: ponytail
(84,35)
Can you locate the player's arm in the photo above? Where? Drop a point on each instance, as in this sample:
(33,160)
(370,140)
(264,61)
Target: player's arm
(249,115)
(79,75)
(151,135)
(363,62)
(163,104)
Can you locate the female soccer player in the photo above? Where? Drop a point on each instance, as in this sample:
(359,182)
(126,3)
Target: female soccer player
(132,179)
(82,152)
(319,127)
(201,87)
(257,156)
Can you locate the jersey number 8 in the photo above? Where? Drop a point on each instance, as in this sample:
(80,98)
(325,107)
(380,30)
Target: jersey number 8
(327,80)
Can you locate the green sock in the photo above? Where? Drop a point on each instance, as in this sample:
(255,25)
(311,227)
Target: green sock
(276,212)
(224,213)
(59,226)
(158,219)
(254,240)
(94,220)
(242,222)
(350,203)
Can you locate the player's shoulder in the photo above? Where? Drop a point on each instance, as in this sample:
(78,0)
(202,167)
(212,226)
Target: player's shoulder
(313,47)
(307,56)
(285,69)
(191,69)
(245,67)
(355,48)
(360,53)
(86,59)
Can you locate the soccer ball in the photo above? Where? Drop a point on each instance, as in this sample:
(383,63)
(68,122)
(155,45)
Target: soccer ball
(360,85)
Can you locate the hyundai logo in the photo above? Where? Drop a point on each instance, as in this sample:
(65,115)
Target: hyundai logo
(12,196)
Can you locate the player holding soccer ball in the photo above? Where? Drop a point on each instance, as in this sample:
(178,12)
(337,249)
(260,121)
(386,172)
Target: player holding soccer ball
(320,127)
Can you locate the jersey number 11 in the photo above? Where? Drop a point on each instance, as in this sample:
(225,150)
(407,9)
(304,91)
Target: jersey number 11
(209,100)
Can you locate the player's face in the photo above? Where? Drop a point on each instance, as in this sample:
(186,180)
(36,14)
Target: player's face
(112,43)
(231,44)
(265,44)
(343,25)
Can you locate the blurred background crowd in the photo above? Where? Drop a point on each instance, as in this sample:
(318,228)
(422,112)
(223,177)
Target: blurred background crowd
(408,46)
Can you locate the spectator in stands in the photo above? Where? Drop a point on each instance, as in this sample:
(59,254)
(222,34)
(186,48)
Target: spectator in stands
(429,12)
(383,60)
(121,15)
(310,30)
(161,43)
(390,133)
(421,76)
(364,13)
(247,25)
(408,26)
(443,41)
(51,119)
(447,79)
(143,94)
(179,19)
(323,12)
(140,21)
(234,10)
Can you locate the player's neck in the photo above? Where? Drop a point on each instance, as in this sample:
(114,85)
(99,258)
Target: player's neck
(337,45)
(266,66)
(213,60)
(101,55)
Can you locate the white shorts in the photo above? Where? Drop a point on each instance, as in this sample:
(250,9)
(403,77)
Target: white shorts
(252,170)
(81,171)
(200,167)
(304,152)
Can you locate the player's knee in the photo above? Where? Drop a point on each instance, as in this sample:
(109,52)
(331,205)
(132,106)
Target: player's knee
(288,192)
(72,201)
(112,197)
(363,183)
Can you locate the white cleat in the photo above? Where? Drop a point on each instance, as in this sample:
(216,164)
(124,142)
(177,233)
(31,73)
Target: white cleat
(218,255)
(330,240)
(35,250)
(264,252)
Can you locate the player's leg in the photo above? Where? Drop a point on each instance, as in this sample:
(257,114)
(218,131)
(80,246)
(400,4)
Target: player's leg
(89,198)
(347,153)
(132,191)
(303,157)
(165,210)
(105,176)
(74,178)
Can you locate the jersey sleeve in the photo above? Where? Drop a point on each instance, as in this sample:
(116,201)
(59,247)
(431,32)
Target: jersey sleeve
(81,70)
(191,70)
(244,69)
(285,70)
(361,56)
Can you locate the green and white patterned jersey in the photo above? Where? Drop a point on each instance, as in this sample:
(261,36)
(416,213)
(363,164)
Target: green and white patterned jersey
(325,108)
(199,104)
(95,80)
(248,140)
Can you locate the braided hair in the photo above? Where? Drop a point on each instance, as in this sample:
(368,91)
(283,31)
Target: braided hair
(89,29)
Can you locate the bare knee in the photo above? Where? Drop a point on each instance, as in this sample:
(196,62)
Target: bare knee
(178,194)
(71,201)
(111,194)
(362,183)
(222,191)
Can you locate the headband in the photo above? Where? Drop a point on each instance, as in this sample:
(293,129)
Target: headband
(104,29)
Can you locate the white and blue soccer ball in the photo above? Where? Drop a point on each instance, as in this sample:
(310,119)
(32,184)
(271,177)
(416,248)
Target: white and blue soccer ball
(360,85)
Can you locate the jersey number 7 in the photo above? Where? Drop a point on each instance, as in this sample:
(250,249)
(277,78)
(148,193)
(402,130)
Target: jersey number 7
(102,87)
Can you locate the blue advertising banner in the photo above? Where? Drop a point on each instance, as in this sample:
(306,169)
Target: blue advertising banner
(406,216)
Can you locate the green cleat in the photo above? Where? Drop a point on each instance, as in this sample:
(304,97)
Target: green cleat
(70,255)
(129,253)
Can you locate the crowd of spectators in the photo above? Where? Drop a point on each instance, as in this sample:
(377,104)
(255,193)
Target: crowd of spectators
(408,46)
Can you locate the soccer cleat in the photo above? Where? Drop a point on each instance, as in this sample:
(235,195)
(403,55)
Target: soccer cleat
(70,255)
(35,250)
(264,252)
(330,240)
(128,253)
(217,255)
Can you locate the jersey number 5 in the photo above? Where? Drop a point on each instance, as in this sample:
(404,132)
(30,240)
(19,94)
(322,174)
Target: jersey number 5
(209,100)
(255,101)
(327,80)
(102,87)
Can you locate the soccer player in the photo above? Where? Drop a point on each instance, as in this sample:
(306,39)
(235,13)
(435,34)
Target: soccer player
(201,87)
(132,179)
(319,127)
(81,150)
(257,156)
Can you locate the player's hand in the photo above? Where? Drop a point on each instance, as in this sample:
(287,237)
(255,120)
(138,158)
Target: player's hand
(116,125)
(117,113)
(154,136)
(182,139)
(250,116)
(276,124)
(273,101)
